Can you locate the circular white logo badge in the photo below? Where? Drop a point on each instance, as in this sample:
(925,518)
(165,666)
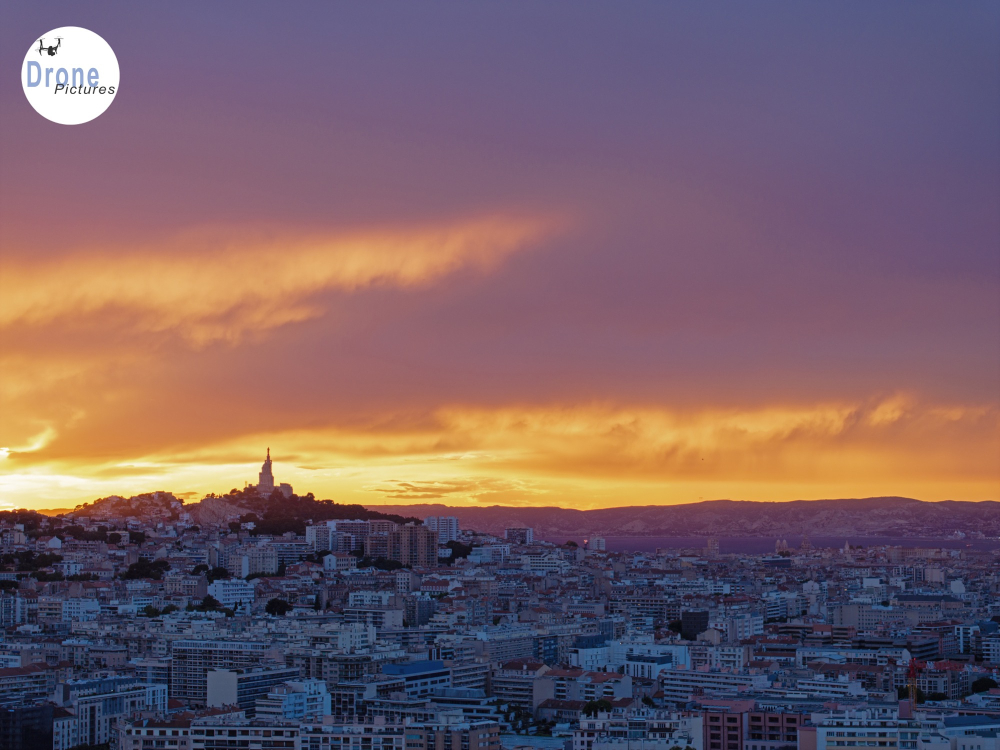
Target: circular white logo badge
(70,75)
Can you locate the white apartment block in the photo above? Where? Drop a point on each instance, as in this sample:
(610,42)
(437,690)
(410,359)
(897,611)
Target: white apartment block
(870,727)
(679,684)
(232,593)
(445,526)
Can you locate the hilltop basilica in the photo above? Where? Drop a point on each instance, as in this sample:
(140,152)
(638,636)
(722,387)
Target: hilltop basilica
(265,481)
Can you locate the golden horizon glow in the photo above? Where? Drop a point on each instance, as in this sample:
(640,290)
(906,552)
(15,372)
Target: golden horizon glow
(583,456)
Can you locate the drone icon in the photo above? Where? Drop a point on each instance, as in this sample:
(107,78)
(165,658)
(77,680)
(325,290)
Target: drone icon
(42,49)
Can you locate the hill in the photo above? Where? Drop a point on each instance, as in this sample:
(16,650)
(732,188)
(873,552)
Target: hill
(854,518)
(274,514)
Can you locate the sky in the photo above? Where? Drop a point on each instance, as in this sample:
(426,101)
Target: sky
(585,254)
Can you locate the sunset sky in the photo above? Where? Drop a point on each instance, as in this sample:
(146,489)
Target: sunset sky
(582,254)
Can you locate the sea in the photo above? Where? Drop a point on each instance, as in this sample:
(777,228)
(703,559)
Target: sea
(762,545)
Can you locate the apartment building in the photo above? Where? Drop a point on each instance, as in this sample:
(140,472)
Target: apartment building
(142,734)
(227,733)
(413,545)
(869,727)
(297,699)
(680,684)
(445,526)
(193,659)
(242,687)
(522,683)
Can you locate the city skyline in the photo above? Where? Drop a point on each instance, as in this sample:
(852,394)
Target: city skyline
(519,256)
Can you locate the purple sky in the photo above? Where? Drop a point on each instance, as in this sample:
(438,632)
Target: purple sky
(754,207)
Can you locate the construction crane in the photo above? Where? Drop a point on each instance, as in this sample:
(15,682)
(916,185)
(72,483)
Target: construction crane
(911,680)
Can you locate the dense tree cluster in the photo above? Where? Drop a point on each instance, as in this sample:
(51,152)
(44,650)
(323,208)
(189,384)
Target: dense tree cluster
(29,561)
(30,519)
(983,684)
(146,569)
(278,607)
(276,515)
(212,574)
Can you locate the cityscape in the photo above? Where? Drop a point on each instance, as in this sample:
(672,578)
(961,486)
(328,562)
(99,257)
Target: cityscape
(287,622)
(522,375)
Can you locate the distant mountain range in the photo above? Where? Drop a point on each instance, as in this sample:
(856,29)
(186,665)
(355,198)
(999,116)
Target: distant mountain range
(849,518)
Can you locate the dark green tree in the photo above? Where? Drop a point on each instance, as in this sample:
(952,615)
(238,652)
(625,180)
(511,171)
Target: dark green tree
(592,708)
(146,569)
(209,604)
(458,550)
(277,607)
(983,684)
(217,574)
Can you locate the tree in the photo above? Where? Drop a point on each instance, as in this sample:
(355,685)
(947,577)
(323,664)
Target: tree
(146,569)
(592,708)
(150,611)
(458,550)
(983,684)
(277,607)
(217,573)
(209,604)
(571,544)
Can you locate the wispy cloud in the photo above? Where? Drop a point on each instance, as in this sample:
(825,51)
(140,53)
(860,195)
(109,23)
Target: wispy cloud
(474,489)
(222,284)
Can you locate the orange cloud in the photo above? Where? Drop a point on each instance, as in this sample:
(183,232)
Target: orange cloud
(214,285)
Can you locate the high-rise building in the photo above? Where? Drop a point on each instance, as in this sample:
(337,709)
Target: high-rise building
(320,537)
(26,727)
(519,535)
(445,526)
(381,526)
(413,545)
(693,622)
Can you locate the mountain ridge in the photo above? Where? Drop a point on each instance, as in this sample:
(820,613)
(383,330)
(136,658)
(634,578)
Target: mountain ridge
(849,517)
(872,516)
